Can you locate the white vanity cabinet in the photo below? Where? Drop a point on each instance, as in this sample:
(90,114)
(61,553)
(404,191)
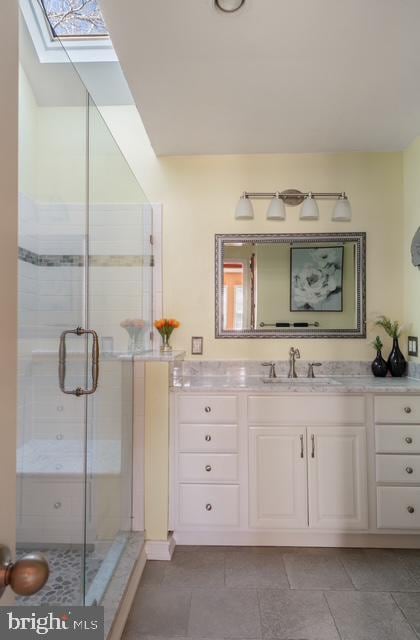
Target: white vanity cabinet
(314,468)
(397,445)
(278,477)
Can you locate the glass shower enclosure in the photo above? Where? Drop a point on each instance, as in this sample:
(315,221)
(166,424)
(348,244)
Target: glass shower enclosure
(85,305)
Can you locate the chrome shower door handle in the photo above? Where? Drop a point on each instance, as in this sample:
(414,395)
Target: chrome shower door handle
(62,359)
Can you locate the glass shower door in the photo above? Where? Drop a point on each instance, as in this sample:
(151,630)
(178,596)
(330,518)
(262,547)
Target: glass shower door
(119,309)
(51,451)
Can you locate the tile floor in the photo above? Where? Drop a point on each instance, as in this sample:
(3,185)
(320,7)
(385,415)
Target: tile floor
(279,594)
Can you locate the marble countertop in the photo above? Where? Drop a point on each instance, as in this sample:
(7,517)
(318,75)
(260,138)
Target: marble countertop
(336,384)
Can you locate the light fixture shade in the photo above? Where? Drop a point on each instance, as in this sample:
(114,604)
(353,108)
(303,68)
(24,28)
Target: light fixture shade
(309,209)
(342,211)
(244,209)
(276,209)
(229,6)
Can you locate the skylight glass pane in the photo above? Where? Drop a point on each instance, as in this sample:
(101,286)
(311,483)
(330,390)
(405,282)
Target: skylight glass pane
(75,18)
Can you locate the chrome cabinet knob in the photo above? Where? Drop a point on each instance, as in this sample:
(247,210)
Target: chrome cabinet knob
(409,440)
(207,409)
(26,576)
(409,469)
(57,505)
(208,507)
(60,408)
(59,436)
(207,438)
(410,509)
(208,467)
(407,409)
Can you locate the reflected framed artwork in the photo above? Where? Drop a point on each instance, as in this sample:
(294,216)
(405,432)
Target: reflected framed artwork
(316,278)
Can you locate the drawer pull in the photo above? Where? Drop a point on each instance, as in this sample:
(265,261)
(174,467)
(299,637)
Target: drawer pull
(409,440)
(207,438)
(207,409)
(410,509)
(208,467)
(60,408)
(58,467)
(313,446)
(407,409)
(301,446)
(409,469)
(59,436)
(57,505)
(208,507)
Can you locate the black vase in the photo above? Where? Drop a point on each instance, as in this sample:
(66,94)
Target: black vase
(379,366)
(397,364)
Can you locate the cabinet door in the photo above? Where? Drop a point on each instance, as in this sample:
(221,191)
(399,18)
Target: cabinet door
(337,478)
(278,479)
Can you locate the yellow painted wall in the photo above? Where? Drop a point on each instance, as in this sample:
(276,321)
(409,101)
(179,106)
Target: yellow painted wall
(411,163)
(199,194)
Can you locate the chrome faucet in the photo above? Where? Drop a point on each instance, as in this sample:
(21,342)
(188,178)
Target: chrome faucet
(272,373)
(311,365)
(294,354)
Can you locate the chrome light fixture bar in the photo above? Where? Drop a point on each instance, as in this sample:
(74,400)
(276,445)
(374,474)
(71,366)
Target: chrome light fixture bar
(292,198)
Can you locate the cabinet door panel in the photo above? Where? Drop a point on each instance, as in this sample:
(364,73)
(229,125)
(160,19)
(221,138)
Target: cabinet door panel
(278,480)
(337,478)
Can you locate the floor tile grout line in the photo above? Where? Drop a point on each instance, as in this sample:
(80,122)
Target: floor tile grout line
(341,562)
(259,612)
(332,615)
(403,614)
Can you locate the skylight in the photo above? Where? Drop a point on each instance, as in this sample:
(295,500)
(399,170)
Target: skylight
(75,18)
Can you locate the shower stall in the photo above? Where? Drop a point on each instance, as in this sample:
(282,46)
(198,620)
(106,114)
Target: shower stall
(85,283)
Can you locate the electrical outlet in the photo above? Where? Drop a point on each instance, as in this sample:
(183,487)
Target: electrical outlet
(413,346)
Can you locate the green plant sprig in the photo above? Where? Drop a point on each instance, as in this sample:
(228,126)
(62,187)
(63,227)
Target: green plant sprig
(377,344)
(391,327)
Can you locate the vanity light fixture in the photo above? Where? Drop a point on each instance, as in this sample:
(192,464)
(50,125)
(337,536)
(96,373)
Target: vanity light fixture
(276,209)
(292,197)
(309,210)
(229,6)
(244,208)
(342,210)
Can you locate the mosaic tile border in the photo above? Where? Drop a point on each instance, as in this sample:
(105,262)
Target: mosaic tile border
(51,260)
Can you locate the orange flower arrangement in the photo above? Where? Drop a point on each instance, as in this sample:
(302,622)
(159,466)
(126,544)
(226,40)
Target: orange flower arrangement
(165,326)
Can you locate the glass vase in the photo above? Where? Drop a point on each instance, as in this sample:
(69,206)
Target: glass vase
(165,346)
(135,339)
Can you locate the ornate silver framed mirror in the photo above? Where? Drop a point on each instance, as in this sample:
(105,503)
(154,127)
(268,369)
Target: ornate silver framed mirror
(304,285)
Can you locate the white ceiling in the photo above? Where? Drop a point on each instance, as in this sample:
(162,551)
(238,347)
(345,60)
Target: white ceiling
(278,76)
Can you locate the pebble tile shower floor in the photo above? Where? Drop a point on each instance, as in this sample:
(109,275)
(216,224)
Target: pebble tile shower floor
(279,594)
(63,586)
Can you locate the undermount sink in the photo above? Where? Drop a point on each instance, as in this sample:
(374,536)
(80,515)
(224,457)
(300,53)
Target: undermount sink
(308,381)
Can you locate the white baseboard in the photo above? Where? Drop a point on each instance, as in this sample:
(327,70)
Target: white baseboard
(160,549)
(120,619)
(297,539)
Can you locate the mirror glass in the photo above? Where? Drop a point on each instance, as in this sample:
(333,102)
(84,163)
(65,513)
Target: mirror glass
(281,285)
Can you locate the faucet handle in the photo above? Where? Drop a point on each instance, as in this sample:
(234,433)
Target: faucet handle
(311,366)
(272,365)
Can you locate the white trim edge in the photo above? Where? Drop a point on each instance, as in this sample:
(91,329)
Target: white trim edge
(160,549)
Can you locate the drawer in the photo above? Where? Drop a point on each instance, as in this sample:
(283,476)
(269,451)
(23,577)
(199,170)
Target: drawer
(398,507)
(397,438)
(209,505)
(306,410)
(211,438)
(54,500)
(400,409)
(205,467)
(207,409)
(401,469)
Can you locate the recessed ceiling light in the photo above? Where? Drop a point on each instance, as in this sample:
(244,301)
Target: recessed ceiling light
(229,6)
